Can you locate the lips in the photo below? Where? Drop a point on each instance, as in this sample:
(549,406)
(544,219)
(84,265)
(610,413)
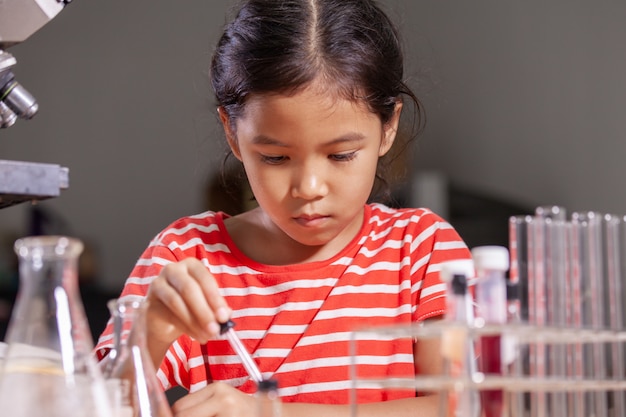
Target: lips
(311,220)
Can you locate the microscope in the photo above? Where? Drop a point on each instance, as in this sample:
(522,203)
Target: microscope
(24,181)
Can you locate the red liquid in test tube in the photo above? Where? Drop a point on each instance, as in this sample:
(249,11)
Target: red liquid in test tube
(491,263)
(490,362)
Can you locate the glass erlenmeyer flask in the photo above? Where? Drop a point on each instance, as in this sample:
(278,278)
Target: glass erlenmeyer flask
(140,387)
(49,368)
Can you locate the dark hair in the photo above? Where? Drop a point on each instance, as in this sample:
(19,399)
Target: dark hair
(281,46)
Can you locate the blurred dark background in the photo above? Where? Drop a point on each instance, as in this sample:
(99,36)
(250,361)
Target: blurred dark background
(523,103)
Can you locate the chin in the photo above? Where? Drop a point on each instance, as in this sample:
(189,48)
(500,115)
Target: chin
(311,241)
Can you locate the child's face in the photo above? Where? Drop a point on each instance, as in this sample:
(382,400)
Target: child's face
(311,161)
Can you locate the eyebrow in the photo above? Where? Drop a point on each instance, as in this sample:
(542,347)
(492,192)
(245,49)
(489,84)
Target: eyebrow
(266,140)
(348,137)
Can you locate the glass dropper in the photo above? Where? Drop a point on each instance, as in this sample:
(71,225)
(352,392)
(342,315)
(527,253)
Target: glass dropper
(227,330)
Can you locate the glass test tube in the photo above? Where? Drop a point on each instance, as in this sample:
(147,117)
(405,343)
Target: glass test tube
(558,213)
(537,309)
(614,263)
(588,230)
(518,275)
(550,289)
(518,247)
(622,293)
(575,370)
(555,245)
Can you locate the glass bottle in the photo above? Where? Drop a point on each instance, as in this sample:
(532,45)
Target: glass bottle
(141,392)
(49,368)
(110,360)
(457,346)
(267,398)
(117,391)
(491,263)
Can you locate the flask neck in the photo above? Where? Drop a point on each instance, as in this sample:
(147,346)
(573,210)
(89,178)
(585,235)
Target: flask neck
(131,321)
(48,262)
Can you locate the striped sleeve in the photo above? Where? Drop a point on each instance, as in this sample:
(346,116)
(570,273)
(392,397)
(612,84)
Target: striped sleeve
(163,249)
(437,243)
(421,241)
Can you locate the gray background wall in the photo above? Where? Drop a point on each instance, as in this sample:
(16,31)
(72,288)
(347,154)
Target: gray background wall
(524,102)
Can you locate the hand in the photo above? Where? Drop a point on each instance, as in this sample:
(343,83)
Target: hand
(215,400)
(184,299)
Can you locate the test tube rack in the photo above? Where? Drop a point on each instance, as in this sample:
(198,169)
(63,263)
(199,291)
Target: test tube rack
(515,384)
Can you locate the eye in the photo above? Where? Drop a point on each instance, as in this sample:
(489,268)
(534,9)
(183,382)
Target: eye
(273,160)
(343,157)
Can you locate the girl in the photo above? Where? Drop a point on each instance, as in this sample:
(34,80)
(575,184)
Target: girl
(309,93)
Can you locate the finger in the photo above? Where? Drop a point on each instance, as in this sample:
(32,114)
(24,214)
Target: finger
(210,290)
(186,281)
(194,400)
(168,305)
(216,399)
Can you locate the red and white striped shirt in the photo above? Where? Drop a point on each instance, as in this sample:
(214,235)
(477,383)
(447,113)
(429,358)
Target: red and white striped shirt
(297,320)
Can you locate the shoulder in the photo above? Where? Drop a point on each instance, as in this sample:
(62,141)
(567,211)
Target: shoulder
(184,228)
(420,227)
(199,236)
(383,216)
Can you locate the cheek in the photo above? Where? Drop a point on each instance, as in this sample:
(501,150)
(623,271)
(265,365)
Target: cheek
(263,182)
(354,185)
(367,170)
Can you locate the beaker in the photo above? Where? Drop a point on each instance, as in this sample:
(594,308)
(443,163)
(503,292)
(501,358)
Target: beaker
(49,368)
(133,367)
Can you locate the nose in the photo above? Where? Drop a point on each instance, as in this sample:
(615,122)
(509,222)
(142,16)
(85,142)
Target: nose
(309,183)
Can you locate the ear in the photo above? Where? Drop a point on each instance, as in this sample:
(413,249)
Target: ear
(390,129)
(231,138)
